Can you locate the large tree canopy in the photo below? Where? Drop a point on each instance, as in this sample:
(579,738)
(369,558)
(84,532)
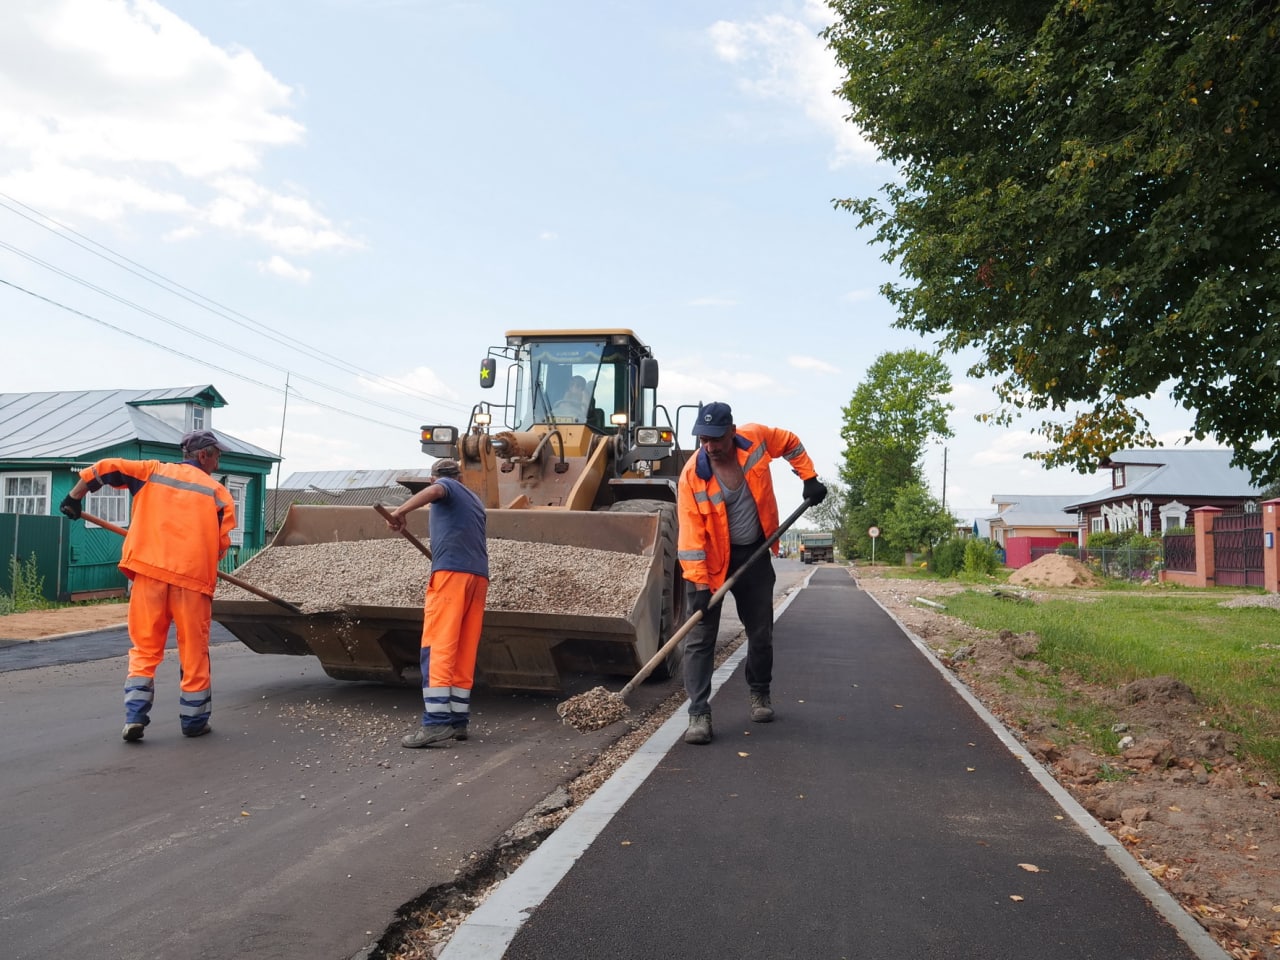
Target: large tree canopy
(1087,196)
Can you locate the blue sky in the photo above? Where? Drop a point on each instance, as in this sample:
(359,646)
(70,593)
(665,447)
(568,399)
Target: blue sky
(363,195)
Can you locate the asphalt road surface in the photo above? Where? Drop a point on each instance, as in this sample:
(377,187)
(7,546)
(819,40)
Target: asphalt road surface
(296,829)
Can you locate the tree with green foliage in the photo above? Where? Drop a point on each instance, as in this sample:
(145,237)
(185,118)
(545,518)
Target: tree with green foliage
(890,419)
(1087,197)
(916,521)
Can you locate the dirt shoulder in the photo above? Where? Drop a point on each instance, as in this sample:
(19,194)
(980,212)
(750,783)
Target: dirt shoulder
(1201,821)
(43,624)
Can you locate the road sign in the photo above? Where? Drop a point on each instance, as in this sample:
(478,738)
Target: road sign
(873,532)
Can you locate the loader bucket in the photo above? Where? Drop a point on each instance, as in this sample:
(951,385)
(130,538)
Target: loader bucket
(520,649)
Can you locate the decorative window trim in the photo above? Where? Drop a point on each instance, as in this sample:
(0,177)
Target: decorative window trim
(112,504)
(38,500)
(1117,476)
(238,487)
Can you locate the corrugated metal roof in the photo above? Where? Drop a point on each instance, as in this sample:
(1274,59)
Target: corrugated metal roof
(1176,473)
(336,481)
(1034,510)
(75,424)
(278,501)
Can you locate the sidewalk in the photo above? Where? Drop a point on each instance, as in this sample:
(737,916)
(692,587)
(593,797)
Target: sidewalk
(882,815)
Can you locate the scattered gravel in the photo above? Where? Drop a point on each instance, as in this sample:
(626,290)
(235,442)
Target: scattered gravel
(524,576)
(593,710)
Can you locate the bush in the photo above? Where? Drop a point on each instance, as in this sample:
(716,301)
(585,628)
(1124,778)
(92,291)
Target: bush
(948,556)
(27,591)
(1103,540)
(1069,549)
(980,559)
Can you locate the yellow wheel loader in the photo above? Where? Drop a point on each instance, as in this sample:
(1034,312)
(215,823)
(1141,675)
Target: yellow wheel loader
(576,450)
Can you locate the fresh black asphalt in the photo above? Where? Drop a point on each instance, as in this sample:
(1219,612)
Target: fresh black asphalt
(879,817)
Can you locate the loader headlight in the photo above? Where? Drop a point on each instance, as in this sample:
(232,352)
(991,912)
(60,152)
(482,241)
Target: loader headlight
(439,434)
(652,436)
(440,441)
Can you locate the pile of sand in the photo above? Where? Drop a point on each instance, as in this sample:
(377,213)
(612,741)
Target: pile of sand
(1054,570)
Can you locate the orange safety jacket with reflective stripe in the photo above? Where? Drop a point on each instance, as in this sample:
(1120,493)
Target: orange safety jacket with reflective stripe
(181,520)
(704,518)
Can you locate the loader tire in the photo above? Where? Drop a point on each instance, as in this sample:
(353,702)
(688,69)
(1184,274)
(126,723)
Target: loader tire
(672,579)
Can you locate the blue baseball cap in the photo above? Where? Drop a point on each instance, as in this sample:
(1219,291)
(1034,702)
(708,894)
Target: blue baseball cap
(714,420)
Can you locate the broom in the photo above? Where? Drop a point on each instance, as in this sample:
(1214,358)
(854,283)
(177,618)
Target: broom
(598,707)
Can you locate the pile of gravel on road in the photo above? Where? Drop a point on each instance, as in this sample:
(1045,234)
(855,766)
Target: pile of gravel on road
(523,576)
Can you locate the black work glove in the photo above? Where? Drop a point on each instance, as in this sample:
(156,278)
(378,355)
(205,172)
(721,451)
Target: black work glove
(71,507)
(814,491)
(700,603)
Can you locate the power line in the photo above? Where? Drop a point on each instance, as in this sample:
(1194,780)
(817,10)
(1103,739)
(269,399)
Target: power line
(202,362)
(207,303)
(190,331)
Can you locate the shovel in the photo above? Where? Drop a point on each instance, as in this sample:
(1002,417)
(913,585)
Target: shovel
(242,584)
(614,705)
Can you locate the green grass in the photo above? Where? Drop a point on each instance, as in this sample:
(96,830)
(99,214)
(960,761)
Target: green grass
(1229,657)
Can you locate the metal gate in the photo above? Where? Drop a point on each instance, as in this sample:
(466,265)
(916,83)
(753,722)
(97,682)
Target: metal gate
(1237,549)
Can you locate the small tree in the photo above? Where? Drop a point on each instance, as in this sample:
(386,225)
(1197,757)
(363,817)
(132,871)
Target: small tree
(980,558)
(916,521)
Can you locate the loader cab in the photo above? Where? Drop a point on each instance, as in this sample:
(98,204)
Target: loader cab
(544,367)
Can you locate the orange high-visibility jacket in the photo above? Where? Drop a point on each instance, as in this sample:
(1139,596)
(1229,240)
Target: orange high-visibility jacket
(704,519)
(181,520)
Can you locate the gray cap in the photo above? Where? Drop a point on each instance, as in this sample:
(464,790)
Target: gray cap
(445,468)
(200,440)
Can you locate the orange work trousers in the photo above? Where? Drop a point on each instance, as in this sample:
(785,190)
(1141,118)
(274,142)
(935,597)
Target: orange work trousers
(153,606)
(452,617)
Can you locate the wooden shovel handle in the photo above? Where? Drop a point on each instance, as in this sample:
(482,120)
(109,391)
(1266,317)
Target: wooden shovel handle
(404,531)
(242,584)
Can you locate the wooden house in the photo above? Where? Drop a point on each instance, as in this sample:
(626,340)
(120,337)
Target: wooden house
(45,438)
(1154,490)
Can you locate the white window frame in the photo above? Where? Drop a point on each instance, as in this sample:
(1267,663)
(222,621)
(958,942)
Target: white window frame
(1097,524)
(41,501)
(112,504)
(199,416)
(238,487)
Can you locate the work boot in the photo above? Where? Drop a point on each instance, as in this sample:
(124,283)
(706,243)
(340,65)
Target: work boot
(699,731)
(198,731)
(423,736)
(133,732)
(459,731)
(761,708)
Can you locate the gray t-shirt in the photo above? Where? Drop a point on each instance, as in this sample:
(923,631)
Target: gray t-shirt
(744,520)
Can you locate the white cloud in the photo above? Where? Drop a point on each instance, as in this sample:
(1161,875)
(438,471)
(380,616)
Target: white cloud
(280,267)
(419,380)
(109,107)
(812,363)
(546,236)
(712,302)
(1007,447)
(862,296)
(783,59)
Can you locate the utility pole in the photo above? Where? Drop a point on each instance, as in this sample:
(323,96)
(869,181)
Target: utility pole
(944,479)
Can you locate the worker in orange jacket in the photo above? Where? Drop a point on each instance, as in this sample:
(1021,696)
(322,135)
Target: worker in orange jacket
(180,528)
(727,511)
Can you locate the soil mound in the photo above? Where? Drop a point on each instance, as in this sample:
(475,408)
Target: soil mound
(1054,570)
